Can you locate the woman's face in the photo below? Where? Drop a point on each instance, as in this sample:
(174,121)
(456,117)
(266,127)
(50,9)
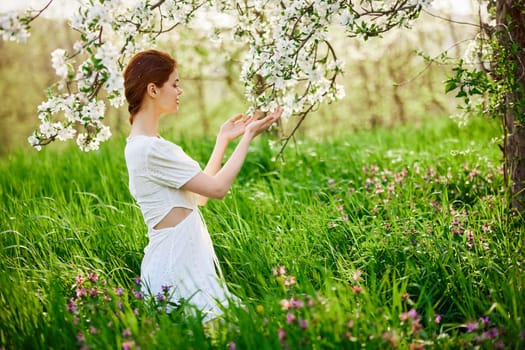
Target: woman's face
(168,94)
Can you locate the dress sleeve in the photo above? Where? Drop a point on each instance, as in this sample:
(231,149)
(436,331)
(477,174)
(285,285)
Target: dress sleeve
(168,165)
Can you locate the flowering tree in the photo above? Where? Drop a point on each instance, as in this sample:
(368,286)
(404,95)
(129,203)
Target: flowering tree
(288,60)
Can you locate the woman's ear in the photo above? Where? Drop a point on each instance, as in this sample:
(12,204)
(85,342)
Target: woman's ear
(152,90)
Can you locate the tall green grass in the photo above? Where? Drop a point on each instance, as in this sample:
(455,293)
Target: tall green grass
(392,238)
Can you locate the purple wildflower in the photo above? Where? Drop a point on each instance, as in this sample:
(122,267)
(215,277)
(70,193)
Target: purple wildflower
(126,333)
(139,295)
(493,332)
(160,297)
(137,281)
(119,291)
(232,346)
(166,289)
(412,314)
(290,318)
(71,306)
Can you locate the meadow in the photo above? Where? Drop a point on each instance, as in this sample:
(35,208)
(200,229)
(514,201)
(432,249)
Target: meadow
(395,238)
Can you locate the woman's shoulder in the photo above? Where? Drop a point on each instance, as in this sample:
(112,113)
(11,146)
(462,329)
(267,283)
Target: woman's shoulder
(150,141)
(152,146)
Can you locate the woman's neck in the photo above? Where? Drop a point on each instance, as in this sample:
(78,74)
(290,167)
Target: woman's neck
(144,124)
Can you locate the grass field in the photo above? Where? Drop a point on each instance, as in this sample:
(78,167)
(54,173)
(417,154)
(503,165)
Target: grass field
(385,239)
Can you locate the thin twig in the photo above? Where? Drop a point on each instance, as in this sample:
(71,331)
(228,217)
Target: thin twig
(39,12)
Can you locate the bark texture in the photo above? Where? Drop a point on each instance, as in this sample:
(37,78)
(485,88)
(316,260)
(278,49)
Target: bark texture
(510,17)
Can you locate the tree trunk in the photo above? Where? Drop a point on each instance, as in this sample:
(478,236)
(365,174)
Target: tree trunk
(510,18)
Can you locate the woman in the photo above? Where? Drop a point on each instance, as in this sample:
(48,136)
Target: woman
(168,185)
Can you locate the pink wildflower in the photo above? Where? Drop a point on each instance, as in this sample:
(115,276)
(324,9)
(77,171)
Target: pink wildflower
(416,326)
(80,337)
(81,292)
(128,345)
(296,303)
(412,314)
(93,277)
(79,279)
(281,333)
(289,281)
(356,275)
(303,323)
(472,326)
(285,304)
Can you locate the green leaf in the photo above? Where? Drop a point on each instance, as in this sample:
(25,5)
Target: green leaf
(450,85)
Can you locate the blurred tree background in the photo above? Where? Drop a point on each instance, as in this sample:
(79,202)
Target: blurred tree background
(387,83)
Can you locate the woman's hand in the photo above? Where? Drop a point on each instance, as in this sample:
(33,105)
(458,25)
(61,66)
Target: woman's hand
(257,125)
(234,127)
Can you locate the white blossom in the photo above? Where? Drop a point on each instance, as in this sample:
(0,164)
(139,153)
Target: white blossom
(12,27)
(58,62)
(66,133)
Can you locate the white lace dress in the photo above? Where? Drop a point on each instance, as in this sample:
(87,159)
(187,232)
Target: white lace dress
(182,256)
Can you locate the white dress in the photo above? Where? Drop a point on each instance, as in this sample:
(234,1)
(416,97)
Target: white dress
(181,257)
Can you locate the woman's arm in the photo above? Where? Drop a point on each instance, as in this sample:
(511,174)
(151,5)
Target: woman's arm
(217,185)
(214,163)
(230,130)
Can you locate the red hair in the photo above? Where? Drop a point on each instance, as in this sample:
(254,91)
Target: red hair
(146,67)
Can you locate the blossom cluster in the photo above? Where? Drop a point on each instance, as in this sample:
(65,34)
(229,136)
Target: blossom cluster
(14,27)
(112,31)
(288,59)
